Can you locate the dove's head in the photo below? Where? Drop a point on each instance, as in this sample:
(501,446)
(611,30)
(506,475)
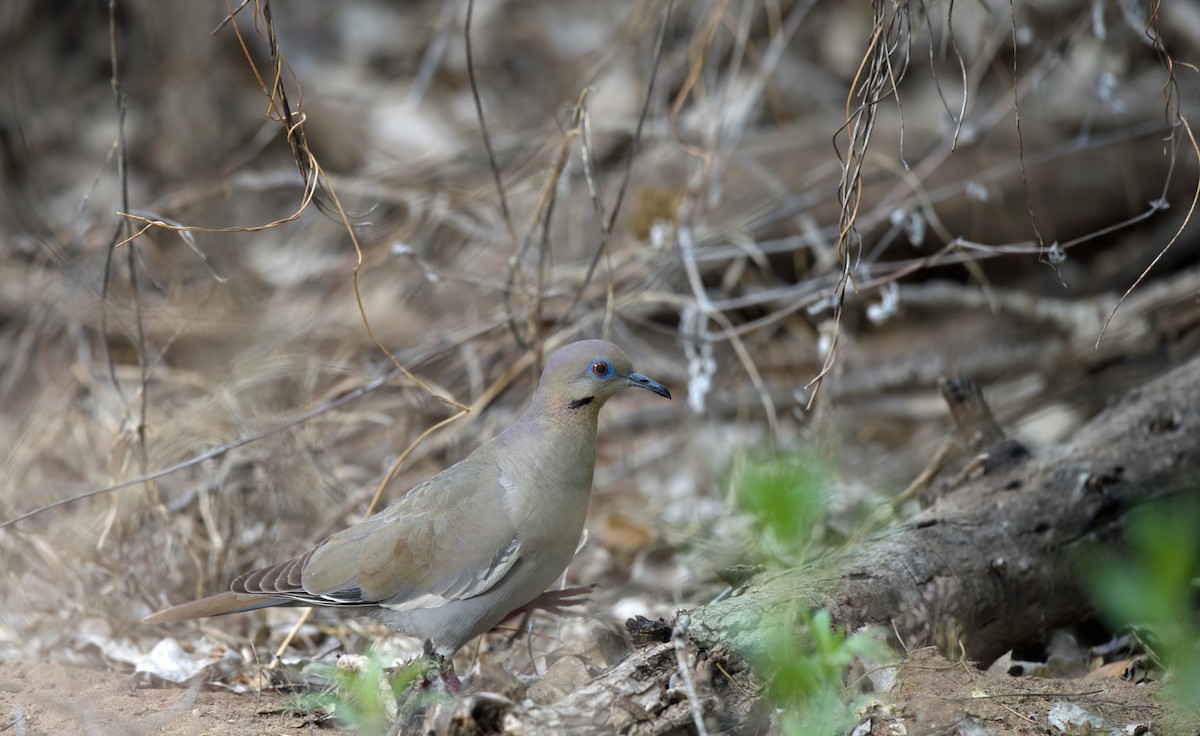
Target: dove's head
(585,374)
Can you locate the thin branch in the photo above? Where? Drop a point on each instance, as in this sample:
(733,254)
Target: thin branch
(606,228)
(139,428)
(1016,102)
(1171,110)
(483,128)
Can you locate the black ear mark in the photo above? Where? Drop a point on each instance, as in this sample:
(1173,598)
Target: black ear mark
(577,403)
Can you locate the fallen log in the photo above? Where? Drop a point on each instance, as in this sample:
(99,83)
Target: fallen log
(997,555)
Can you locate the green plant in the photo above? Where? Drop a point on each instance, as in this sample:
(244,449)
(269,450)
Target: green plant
(784,494)
(363,696)
(313,703)
(806,667)
(805,658)
(1154,585)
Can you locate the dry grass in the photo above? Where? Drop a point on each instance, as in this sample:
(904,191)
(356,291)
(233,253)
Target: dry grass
(835,190)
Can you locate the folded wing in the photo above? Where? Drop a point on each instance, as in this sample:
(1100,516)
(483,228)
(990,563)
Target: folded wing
(407,556)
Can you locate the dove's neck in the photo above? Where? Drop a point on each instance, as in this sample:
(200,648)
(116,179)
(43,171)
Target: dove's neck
(546,466)
(558,443)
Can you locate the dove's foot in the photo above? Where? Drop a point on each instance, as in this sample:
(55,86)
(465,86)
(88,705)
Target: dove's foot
(554,601)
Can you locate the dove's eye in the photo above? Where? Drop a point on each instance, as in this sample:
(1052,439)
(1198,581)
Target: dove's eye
(601,369)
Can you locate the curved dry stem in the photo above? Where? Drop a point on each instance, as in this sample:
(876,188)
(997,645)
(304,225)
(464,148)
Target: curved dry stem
(1175,117)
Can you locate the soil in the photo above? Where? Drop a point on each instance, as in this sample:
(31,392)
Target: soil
(934,696)
(48,698)
(937,696)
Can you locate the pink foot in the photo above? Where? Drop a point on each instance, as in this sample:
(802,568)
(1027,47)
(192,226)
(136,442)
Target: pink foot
(554,601)
(443,667)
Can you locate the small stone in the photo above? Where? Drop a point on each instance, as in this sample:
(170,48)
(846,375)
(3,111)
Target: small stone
(568,673)
(543,693)
(565,675)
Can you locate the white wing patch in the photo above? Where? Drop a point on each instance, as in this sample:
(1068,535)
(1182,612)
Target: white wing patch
(510,488)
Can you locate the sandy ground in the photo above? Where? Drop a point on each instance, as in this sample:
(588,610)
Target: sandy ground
(934,696)
(40,698)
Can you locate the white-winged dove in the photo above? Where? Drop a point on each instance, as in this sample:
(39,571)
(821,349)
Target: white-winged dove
(479,540)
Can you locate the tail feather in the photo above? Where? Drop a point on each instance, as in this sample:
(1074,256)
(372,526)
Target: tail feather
(214,605)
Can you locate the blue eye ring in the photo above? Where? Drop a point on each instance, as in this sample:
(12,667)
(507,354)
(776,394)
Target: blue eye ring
(601,369)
